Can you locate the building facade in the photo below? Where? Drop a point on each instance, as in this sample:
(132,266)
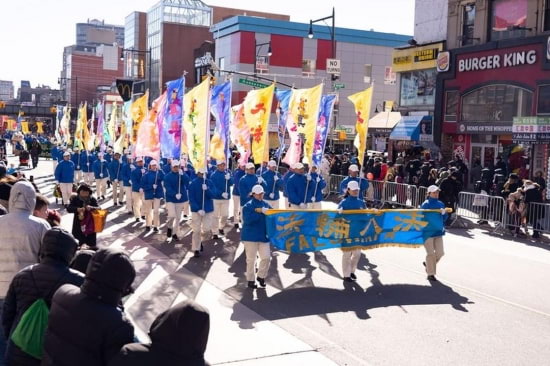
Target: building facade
(95,32)
(136,56)
(6,90)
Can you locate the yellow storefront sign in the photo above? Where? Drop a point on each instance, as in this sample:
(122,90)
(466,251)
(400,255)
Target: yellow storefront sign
(416,58)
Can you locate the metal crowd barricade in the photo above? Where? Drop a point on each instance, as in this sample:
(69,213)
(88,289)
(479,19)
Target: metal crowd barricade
(334,183)
(403,195)
(421,195)
(483,208)
(538,217)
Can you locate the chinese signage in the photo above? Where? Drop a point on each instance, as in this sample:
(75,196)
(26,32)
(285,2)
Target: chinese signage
(262,64)
(498,61)
(531,129)
(416,58)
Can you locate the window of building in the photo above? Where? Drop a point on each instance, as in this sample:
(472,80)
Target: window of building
(496,103)
(546,15)
(543,103)
(508,19)
(468,19)
(418,88)
(451,105)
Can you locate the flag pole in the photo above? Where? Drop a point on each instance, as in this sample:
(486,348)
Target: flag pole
(365,141)
(325,143)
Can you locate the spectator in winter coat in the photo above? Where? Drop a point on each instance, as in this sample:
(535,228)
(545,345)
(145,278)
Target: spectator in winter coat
(87,326)
(81,260)
(82,204)
(39,281)
(534,213)
(178,337)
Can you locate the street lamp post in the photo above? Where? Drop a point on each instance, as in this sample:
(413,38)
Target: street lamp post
(258,47)
(59,80)
(146,52)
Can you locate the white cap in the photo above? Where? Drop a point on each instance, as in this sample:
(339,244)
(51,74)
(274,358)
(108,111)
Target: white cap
(353,186)
(298,166)
(175,163)
(433,188)
(272,163)
(138,159)
(354,168)
(153,162)
(250,166)
(257,189)
(202,170)
(66,153)
(100,154)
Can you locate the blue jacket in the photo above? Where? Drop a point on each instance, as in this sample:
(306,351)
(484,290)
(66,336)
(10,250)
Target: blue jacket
(75,158)
(115,169)
(101,169)
(296,189)
(362,189)
(135,178)
(166,168)
(237,175)
(320,186)
(195,195)
(108,158)
(64,172)
(254,223)
(87,162)
(245,187)
(148,180)
(190,171)
(435,204)
(125,173)
(54,152)
(271,185)
(221,184)
(174,182)
(352,203)
(286,177)
(59,156)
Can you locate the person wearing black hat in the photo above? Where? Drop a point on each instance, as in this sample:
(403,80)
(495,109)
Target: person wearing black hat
(178,337)
(86,325)
(81,205)
(39,281)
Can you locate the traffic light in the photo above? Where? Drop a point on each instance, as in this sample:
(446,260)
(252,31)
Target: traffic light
(53,110)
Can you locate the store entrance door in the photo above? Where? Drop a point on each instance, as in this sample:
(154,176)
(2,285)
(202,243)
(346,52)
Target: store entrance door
(484,153)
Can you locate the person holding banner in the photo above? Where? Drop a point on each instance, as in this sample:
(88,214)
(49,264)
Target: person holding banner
(125,173)
(249,180)
(350,257)
(64,175)
(274,183)
(316,189)
(153,192)
(254,237)
(222,181)
(434,245)
(101,174)
(237,175)
(137,191)
(86,163)
(115,175)
(354,176)
(75,158)
(202,208)
(176,184)
(297,187)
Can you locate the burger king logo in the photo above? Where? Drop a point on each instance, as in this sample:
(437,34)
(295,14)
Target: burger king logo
(443,61)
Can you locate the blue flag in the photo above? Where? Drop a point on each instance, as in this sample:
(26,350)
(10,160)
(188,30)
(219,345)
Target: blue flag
(283,96)
(323,124)
(220,106)
(171,123)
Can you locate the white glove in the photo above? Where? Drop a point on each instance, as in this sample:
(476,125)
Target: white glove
(180,172)
(154,186)
(227,176)
(178,196)
(204,187)
(312,199)
(260,180)
(202,213)
(101,175)
(276,178)
(116,180)
(318,180)
(142,170)
(272,195)
(141,190)
(78,167)
(443,211)
(340,211)
(132,167)
(225,195)
(302,205)
(264,210)
(308,177)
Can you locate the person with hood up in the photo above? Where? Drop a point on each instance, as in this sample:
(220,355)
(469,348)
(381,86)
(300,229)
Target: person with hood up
(87,325)
(179,336)
(39,281)
(153,192)
(82,204)
(21,234)
(101,174)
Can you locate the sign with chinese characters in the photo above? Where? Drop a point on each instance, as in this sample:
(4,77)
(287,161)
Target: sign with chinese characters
(301,231)
(531,129)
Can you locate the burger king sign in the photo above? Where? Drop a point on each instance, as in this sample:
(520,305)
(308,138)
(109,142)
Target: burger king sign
(443,61)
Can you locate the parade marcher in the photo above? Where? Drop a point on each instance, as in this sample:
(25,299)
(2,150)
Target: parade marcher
(289,173)
(38,281)
(137,191)
(176,184)
(249,180)
(354,176)
(64,175)
(55,153)
(115,175)
(202,208)
(87,325)
(222,182)
(178,337)
(273,183)
(317,185)
(125,173)
(237,175)
(324,169)
(434,245)
(82,204)
(350,257)
(21,233)
(254,237)
(101,175)
(153,192)
(87,160)
(166,165)
(297,186)
(75,158)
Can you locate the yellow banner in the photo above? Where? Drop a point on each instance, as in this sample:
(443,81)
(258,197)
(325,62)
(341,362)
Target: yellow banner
(257,109)
(138,110)
(25,127)
(40,127)
(362,102)
(196,123)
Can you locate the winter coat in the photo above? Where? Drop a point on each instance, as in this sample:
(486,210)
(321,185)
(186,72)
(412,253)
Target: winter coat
(87,326)
(178,337)
(362,187)
(125,173)
(77,202)
(75,158)
(101,169)
(87,162)
(254,223)
(175,183)
(151,183)
(38,281)
(286,177)
(196,195)
(115,170)
(221,184)
(20,234)
(64,172)
(245,187)
(237,175)
(449,191)
(316,188)
(135,178)
(296,189)
(435,204)
(272,186)
(352,203)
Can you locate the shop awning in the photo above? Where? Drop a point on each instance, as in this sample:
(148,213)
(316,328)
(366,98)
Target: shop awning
(384,122)
(408,128)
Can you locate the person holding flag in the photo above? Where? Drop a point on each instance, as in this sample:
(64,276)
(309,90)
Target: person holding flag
(125,173)
(202,207)
(101,174)
(316,189)
(137,191)
(297,186)
(153,192)
(249,180)
(75,158)
(86,163)
(237,175)
(289,173)
(274,183)
(354,176)
(222,181)
(176,184)
(115,175)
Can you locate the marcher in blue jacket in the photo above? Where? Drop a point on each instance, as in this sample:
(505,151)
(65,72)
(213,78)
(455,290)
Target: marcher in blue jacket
(153,192)
(137,191)
(201,193)
(75,158)
(434,245)
(286,177)
(55,152)
(176,184)
(316,186)
(115,175)
(237,175)
(166,165)
(249,180)
(222,180)
(296,187)
(354,176)
(101,175)
(64,175)
(273,184)
(125,174)
(87,160)
(254,236)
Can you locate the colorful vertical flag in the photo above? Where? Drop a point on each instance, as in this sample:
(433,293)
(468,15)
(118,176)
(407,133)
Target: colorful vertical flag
(323,126)
(112,125)
(99,138)
(362,102)
(240,133)
(139,112)
(148,140)
(196,123)
(304,109)
(170,124)
(127,118)
(64,125)
(220,107)
(283,101)
(79,130)
(58,117)
(257,109)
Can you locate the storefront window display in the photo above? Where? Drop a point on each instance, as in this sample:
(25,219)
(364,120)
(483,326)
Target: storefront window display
(418,87)
(496,103)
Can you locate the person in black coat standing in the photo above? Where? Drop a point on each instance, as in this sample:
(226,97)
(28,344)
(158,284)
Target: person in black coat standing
(178,337)
(449,191)
(39,281)
(81,205)
(535,213)
(87,326)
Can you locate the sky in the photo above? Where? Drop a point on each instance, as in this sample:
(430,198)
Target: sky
(34,32)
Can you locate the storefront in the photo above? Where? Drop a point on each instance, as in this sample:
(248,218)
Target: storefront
(483,88)
(380,127)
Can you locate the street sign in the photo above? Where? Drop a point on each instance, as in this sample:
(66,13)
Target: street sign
(333,66)
(339,86)
(255,84)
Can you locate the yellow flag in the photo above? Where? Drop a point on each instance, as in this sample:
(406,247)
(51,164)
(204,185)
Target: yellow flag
(257,109)
(362,102)
(85,131)
(304,110)
(79,130)
(196,123)
(25,127)
(138,112)
(111,125)
(39,127)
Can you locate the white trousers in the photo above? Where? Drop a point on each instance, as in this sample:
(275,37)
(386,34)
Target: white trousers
(174,211)
(350,259)
(151,209)
(66,192)
(128,194)
(100,187)
(252,249)
(285,202)
(199,224)
(434,252)
(274,204)
(137,200)
(236,209)
(314,205)
(118,191)
(296,207)
(221,212)
(54,164)
(78,175)
(89,178)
